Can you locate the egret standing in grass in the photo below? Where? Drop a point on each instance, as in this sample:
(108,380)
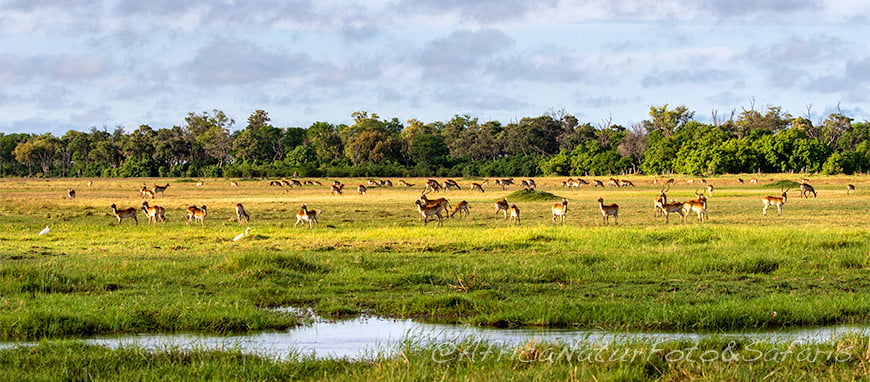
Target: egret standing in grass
(243,234)
(44,231)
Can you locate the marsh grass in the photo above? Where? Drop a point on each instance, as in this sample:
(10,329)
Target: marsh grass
(372,254)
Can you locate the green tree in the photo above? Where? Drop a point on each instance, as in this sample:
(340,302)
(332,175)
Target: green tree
(38,151)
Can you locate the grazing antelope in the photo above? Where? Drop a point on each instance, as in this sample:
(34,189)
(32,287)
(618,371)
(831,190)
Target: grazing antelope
(698,206)
(669,208)
(451,184)
(625,183)
(306,216)
(461,207)
(429,210)
(386,183)
(528,184)
(200,183)
(597,183)
(502,205)
(613,182)
(405,184)
(608,210)
(515,214)
(850,188)
(129,213)
(70,193)
(690,181)
(194,213)
(286,183)
(807,189)
(753,181)
(146,193)
(154,212)
(234,184)
(90,183)
(274,183)
(433,185)
(670,181)
(739,180)
(336,189)
(580,182)
(430,202)
(160,189)
(317,183)
(361,189)
(477,187)
(560,211)
(295,183)
(241,215)
(777,201)
(805,180)
(504,183)
(373,183)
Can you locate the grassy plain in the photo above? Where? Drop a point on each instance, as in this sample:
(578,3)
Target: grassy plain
(372,254)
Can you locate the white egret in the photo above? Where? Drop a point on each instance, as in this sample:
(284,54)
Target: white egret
(241,235)
(44,231)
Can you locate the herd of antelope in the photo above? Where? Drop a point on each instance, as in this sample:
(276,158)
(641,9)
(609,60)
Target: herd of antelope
(441,208)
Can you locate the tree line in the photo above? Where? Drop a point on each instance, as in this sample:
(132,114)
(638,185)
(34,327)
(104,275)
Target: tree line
(556,143)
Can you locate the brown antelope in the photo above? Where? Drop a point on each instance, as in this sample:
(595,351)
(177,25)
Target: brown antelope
(336,189)
(777,201)
(274,183)
(373,183)
(670,181)
(200,183)
(146,193)
(461,207)
(807,189)
(195,213)
(476,187)
(154,212)
(710,189)
(70,193)
(560,211)
(433,185)
(286,183)
(129,213)
(597,183)
(669,208)
(295,183)
(317,183)
(698,206)
(515,214)
(753,181)
(528,184)
(386,183)
(450,184)
(690,181)
(361,189)
(234,184)
(660,201)
(90,183)
(430,202)
(625,183)
(504,183)
(739,180)
(608,210)
(850,188)
(404,184)
(429,210)
(613,182)
(241,215)
(160,189)
(805,180)
(305,216)
(580,182)
(502,205)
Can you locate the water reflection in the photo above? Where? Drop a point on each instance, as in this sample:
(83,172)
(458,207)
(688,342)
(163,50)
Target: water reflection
(368,337)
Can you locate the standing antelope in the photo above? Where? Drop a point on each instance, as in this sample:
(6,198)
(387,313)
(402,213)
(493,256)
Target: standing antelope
(405,184)
(154,212)
(777,201)
(753,181)
(698,206)
(431,202)
(129,213)
(461,207)
(625,183)
(528,184)
(90,183)
(560,211)
(361,189)
(241,215)
(669,208)
(386,183)
(234,184)
(670,181)
(710,189)
(850,188)
(146,193)
(504,183)
(608,210)
(70,193)
(515,214)
(451,184)
(597,183)
(807,189)
(160,189)
(660,201)
(336,189)
(429,210)
(194,213)
(305,216)
(739,180)
(433,185)
(613,182)
(200,183)
(502,205)
(476,187)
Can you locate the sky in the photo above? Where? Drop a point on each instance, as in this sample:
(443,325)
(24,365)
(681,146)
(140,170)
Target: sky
(79,64)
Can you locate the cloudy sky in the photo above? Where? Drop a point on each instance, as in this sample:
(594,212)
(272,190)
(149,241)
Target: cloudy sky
(76,64)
